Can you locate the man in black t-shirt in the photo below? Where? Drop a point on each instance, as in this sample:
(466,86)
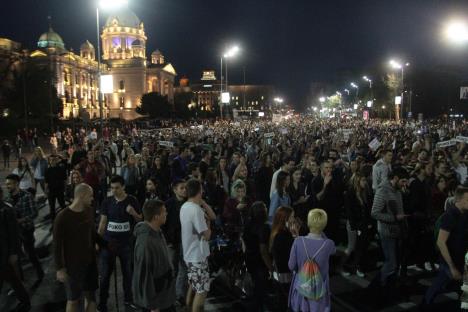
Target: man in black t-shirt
(119,213)
(172,233)
(453,244)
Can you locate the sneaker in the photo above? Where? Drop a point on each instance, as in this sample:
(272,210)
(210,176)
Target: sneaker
(415,267)
(360,274)
(345,273)
(428,266)
(130,305)
(10,293)
(436,267)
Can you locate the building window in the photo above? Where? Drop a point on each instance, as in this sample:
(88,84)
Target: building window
(116,42)
(122,85)
(122,101)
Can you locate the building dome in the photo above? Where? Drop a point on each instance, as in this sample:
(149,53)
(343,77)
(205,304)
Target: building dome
(87,46)
(123,17)
(50,39)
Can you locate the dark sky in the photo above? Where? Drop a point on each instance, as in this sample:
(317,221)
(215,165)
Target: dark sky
(285,43)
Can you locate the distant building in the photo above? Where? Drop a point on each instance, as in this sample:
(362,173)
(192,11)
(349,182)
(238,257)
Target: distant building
(123,41)
(207,92)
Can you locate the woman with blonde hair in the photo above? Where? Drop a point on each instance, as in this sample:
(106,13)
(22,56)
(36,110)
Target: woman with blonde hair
(39,165)
(241,173)
(236,208)
(315,246)
(131,174)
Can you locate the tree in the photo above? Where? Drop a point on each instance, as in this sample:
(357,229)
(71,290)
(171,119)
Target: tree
(155,105)
(33,90)
(181,104)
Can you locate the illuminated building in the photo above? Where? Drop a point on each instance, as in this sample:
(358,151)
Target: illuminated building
(207,90)
(123,41)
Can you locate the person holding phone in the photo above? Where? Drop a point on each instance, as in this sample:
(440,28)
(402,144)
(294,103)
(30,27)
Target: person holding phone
(387,209)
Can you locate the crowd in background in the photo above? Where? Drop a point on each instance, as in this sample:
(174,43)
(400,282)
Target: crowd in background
(280,194)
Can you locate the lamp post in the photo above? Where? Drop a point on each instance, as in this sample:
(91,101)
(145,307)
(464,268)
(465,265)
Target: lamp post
(457,32)
(371,91)
(231,52)
(355,86)
(401,66)
(105,4)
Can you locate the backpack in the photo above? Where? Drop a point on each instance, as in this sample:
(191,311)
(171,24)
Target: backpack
(310,282)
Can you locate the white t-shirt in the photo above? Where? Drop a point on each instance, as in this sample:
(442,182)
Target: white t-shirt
(25,182)
(192,219)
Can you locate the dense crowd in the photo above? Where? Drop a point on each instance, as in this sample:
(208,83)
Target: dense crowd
(170,202)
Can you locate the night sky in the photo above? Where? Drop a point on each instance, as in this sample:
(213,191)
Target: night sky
(285,43)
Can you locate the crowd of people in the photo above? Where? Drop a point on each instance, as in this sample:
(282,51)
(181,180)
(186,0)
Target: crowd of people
(284,195)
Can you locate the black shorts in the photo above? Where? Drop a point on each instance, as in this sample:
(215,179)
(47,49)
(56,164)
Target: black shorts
(82,280)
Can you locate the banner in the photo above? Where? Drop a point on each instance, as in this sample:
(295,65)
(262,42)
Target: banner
(447,143)
(166,143)
(463,93)
(374,144)
(462,139)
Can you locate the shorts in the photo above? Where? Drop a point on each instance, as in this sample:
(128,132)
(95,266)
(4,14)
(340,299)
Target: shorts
(82,280)
(199,276)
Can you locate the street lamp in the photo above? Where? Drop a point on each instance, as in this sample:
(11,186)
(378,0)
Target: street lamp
(457,32)
(368,80)
(231,52)
(355,86)
(322,99)
(401,66)
(106,5)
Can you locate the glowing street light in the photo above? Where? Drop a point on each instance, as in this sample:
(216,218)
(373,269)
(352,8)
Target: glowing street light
(368,80)
(457,32)
(322,99)
(346,90)
(112,4)
(106,5)
(230,53)
(401,66)
(278,100)
(352,84)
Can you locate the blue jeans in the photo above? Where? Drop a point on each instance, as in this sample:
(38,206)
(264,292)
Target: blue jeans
(180,270)
(389,247)
(439,284)
(107,261)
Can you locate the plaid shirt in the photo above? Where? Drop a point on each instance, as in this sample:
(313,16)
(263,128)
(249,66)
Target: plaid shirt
(25,207)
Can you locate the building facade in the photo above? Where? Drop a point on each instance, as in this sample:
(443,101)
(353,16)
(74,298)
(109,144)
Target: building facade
(124,58)
(207,94)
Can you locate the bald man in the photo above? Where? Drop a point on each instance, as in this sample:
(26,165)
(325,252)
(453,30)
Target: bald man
(75,257)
